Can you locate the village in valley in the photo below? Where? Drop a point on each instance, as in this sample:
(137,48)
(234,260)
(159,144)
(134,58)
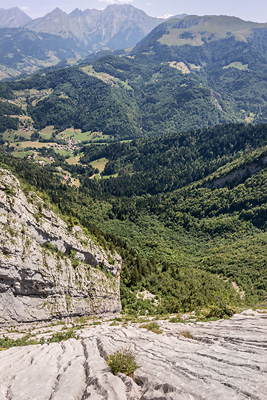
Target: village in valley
(48,147)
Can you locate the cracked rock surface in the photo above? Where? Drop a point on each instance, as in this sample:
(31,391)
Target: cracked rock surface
(224,360)
(47,268)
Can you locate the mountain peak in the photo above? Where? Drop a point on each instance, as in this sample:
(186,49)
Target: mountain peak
(117,26)
(57,11)
(121,6)
(126,9)
(76,13)
(13,18)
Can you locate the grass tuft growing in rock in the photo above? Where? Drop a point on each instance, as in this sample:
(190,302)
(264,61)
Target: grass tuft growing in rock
(122,361)
(186,334)
(61,336)
(153,327)
(6,343)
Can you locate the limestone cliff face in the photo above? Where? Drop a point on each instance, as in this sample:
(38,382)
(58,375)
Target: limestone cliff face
(47,271)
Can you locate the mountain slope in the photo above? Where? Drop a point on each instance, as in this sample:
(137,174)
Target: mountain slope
(196,31)
(13,18)
(23,51)
(161,89)
(185,208)
(216,224)
(57,22)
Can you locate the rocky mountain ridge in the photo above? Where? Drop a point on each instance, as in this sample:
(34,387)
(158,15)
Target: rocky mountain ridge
(195,31)
(115,24)
(48,269)
(13,18)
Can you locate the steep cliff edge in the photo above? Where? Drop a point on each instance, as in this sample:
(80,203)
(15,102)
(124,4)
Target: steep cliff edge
(47,271)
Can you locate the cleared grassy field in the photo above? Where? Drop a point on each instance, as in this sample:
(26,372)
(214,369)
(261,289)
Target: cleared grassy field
(26,135)
(21,99)
(22,154)
(100,164)
(73,160)
(45,159)
(78,135)
(195,67)
(34,92)
(198,34)
(47,132)
(106,78)
(19,93)
(180,66)
(63,152)
(250,118)
(35,145)
(237,65)
(10,136)
(110,176)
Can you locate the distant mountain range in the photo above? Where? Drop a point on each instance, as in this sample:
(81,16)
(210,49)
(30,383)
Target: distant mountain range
(27,45)
(117,26)
(45,41)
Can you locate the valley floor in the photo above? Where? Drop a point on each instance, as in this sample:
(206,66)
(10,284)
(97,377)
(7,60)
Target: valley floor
(225,359)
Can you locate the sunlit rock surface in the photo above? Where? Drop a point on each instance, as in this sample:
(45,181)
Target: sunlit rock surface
(224,360)
(47,268)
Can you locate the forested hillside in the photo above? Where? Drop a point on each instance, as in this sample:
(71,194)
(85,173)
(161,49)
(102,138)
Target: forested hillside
(196,232)
(163,164)
(159,89)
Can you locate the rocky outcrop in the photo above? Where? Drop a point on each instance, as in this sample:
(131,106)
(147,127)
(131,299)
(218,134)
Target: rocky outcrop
(226,359)
(239,174)
(48,269)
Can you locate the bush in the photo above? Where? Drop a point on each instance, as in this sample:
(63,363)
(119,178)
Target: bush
(122,361)
(213,313)
(220,312)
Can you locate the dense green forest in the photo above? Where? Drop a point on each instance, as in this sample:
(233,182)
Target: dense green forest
(188,240)
(152,166)
(7,122)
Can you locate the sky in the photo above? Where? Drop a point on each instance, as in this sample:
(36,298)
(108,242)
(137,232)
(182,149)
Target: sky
(255,10)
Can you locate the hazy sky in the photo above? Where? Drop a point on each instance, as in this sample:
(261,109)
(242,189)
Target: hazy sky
(255,10)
